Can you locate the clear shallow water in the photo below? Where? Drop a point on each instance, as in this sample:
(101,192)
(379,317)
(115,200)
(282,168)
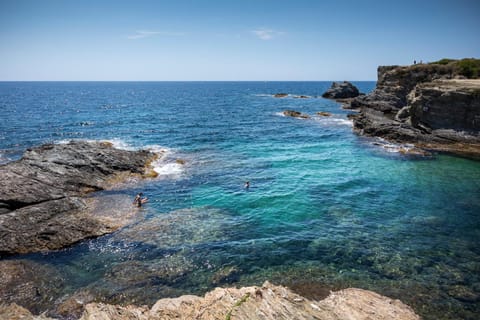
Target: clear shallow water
(325,207)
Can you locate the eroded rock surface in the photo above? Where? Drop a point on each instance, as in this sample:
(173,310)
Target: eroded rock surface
(42,204)
(266,302)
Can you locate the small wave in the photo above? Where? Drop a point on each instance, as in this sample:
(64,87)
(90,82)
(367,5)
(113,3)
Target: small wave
(121,144)
(335,121)
(280,114)
(116,143)
(393,147)
(168,165)
(171,169)
(164,151)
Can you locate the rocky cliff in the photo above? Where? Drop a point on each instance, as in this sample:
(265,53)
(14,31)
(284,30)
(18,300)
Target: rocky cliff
(268,302)
(426,104)
(42,196)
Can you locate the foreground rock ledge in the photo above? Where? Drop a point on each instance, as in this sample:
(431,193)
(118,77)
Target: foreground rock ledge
(266,302)
(42,196)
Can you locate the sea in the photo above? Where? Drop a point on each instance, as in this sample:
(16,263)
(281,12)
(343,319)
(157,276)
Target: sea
(326,209)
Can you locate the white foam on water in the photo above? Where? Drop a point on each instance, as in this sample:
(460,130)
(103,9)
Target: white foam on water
(393,147)
(334,121)
(171,169)
(120,144)
(166,165)
(117,143)
(161,150)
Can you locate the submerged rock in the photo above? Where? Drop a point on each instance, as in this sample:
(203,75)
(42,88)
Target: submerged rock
(179,228)
(295,114)
(29,284)
(227,274)
(42,204)
(341,90)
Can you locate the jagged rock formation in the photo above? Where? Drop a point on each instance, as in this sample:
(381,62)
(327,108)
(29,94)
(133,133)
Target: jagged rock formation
(266,302)
(341,90)
(41,195)
(425,105)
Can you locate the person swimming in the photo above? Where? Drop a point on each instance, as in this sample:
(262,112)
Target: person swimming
(140,199)
(247,185)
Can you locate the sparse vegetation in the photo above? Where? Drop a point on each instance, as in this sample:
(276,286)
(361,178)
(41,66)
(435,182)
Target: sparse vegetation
(237,304)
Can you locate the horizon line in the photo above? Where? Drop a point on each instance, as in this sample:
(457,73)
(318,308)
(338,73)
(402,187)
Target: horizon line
(184,80)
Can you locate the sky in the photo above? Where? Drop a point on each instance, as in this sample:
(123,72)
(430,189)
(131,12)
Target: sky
(229,40)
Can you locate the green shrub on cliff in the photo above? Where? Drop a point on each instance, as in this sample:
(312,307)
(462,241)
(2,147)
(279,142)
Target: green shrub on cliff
(443,61)
(469,67)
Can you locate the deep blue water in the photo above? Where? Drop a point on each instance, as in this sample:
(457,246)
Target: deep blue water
(325,207)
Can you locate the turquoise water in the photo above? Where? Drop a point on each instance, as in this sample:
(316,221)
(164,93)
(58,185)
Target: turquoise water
(325,208)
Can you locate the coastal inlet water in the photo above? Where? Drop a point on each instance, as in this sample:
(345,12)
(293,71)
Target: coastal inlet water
(325,208)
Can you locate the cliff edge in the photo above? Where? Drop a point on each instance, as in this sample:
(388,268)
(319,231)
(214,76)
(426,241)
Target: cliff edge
(434,106)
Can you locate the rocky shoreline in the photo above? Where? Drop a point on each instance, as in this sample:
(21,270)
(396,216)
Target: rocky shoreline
(46,204)
(44,196)
(266,302)
(429,105)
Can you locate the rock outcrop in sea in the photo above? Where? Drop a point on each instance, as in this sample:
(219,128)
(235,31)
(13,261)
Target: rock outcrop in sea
(431,106)
(341,90)
(43,203)
(265,302)
(295,114)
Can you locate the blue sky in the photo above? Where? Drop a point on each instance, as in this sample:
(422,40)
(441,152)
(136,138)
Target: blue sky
(229,40)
